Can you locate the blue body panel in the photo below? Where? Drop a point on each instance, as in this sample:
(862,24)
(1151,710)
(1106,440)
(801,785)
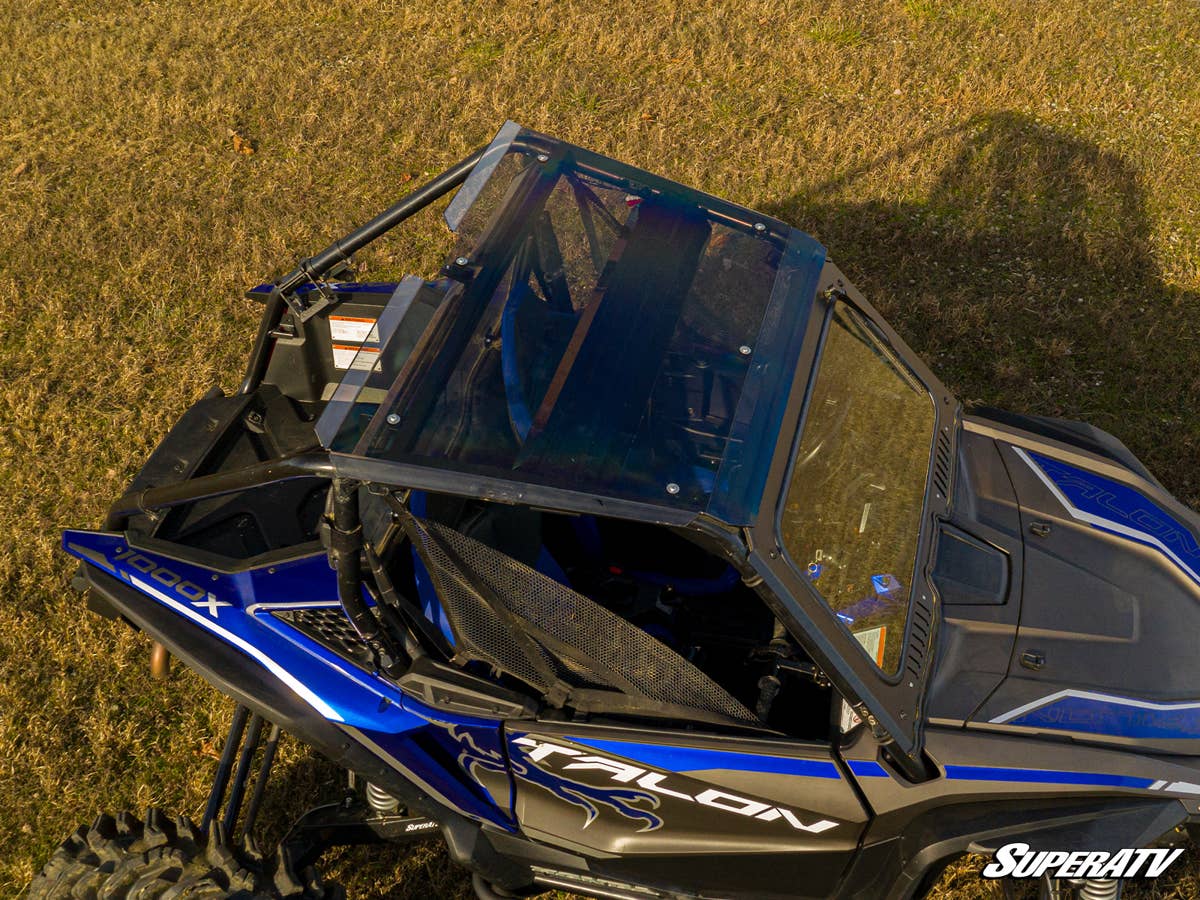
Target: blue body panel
(466,763)
(695,759)
(1044,776)
(1119,509)
(457,757)
(1110,715)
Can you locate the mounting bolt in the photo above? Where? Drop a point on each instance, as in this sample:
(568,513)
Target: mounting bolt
(1033,659)
(393,418)
(745,350)
(461,261)
(760,227)
(542,157)
(672,488)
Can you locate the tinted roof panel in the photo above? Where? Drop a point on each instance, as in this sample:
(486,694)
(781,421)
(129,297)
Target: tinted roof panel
(599,330)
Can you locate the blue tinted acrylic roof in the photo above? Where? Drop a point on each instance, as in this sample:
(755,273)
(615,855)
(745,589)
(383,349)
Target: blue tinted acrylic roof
(597,330)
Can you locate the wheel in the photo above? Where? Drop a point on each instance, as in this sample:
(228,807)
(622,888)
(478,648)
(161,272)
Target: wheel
(124,857)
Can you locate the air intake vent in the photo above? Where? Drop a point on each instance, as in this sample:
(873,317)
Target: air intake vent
(922,619)
(942,464)
(330,628)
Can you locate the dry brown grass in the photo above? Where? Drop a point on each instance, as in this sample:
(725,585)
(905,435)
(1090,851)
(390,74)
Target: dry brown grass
(1015,184)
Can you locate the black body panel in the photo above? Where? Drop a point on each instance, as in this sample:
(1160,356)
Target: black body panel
(1102,613)
(1069,431)
(979,623)
(744,831)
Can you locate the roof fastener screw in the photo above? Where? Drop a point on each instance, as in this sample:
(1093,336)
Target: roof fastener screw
(672,488)
(744,350)
(393,418)
(461,261)
(542,157)
(760,227)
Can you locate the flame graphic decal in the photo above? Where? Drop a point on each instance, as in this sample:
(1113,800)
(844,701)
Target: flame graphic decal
(587,797)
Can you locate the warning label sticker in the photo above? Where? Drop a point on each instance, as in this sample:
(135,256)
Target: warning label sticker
(349,334)
(350,330)
(352,356)
(872,641)
(850,719)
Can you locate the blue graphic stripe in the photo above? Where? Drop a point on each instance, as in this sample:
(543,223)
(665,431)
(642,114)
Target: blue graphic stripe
(1112,717)
(1044,776)
(865,768)
(1118,509)
(696,759)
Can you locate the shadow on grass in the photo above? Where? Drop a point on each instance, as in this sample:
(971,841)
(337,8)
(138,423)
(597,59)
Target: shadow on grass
(1025,275)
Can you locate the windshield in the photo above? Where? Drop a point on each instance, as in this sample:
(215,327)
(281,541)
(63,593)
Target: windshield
(852,512)
(599,330)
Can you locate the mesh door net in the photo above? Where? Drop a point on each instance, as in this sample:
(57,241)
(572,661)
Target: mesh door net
(555,639)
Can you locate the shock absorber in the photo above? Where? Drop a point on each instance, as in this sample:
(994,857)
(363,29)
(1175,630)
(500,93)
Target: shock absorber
(1099,889)
(380,800)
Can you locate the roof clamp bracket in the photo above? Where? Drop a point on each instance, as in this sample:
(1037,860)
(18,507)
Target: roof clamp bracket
(463,269)
(144,509)
(303,308)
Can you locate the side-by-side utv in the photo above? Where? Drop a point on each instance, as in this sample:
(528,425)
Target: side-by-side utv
(636,556)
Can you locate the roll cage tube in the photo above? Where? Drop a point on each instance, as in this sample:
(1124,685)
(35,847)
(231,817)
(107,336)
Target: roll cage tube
(347,548)
(306,464)
(311,269)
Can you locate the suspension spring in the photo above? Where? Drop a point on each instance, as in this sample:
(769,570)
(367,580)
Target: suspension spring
(1099,889)
(383,802)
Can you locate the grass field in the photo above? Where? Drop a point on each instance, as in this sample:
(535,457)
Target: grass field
(1016,185)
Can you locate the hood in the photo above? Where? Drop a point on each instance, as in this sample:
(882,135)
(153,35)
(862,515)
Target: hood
(1099,621)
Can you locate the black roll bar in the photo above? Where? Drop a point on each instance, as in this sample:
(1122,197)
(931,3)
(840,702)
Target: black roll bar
(339,251)
(308,464)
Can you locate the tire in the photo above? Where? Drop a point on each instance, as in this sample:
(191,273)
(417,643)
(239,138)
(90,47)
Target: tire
(123,857)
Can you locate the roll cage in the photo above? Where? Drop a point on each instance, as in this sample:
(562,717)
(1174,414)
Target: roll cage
(739,517)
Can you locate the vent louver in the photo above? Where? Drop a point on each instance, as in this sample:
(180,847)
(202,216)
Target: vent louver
(942,464)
